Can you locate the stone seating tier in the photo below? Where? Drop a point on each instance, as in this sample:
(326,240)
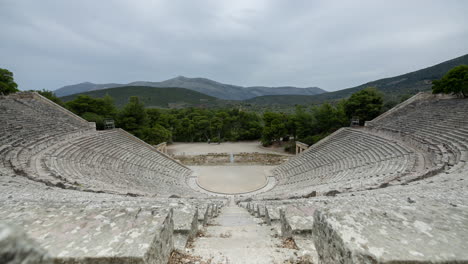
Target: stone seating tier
(434,125)
(351,160)
(116,163)
(48,144)
(74,226)
(423,221)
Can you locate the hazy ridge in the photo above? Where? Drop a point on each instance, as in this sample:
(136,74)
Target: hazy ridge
(202,85)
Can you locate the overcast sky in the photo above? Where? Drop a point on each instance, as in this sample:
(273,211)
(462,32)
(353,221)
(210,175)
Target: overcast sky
(329,44)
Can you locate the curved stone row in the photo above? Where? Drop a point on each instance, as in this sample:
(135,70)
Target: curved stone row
(48,144)
(30,123)
(114,162)
(350,159)
(420,138)
(424,220)
(438,126)
(85,227)
(61,180)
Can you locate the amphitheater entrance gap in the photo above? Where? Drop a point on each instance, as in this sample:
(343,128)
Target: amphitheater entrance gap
(229,168)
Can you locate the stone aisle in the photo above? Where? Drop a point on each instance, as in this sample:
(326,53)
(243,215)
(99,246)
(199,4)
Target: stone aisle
(237,237)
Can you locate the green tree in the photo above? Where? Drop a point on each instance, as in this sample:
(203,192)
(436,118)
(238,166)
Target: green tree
(274,128)
(304,124)
(93,109)
(319,122)
(329,118)
(7,83)
(93,117)
(51,96)
(388,105)
(86,104)
(108,106)
(216,127)
(250,126)
(155,135)
(365,104)
(202,128)
(185,130)
(133,116)
(153,116)
(454,82)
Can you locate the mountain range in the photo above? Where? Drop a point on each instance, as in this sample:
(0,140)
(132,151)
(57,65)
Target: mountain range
(393,88)
(152,96)
(202,85)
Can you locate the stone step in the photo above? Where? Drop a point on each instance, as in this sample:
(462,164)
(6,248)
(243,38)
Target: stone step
(235,236)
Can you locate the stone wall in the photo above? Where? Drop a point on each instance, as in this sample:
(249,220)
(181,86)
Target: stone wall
(301,147)
(240,158)
(162,147)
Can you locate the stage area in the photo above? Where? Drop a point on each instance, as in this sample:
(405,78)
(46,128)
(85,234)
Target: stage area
(231,179)
(227,147)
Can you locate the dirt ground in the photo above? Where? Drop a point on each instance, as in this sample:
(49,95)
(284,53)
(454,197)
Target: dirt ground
(232,179)
(227,147)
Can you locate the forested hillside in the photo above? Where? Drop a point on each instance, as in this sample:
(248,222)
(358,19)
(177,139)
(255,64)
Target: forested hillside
(192,124)
(152,96)
(202,85)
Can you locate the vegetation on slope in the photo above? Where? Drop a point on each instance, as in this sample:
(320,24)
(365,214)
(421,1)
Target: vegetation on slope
(7,83)
(151,96)
(198,124)
(454,82)
(309,125)
(202,85)
(306,124)
(229,124)
(394,90)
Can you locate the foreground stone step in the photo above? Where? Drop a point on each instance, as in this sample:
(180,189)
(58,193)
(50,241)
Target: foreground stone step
(91,234)
(415,233)
(16,247)
(237,237)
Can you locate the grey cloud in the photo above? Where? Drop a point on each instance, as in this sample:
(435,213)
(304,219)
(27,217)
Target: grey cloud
(330,44)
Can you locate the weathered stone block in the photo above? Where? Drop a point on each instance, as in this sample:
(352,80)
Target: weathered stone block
(374,233)
(17,248)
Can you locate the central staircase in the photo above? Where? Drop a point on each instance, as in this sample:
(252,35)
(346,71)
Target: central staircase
(235,236)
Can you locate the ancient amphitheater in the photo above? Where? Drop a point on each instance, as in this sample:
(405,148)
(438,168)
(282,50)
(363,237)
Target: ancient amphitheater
(394,191)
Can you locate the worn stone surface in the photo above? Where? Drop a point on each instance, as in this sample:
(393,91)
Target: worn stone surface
(296,219)
(77,232)
(50,215)
(396,193)
(410,233)
(235,236)
(46,143)
(185,225)
(17,248)
(420,139)
(424,221)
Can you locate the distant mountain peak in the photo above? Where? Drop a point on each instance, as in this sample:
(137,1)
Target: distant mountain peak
(199,84)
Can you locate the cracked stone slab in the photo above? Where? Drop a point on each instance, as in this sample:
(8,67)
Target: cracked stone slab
(300,218)
(388,233)
(88,233)
(236,236)
(16,247)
